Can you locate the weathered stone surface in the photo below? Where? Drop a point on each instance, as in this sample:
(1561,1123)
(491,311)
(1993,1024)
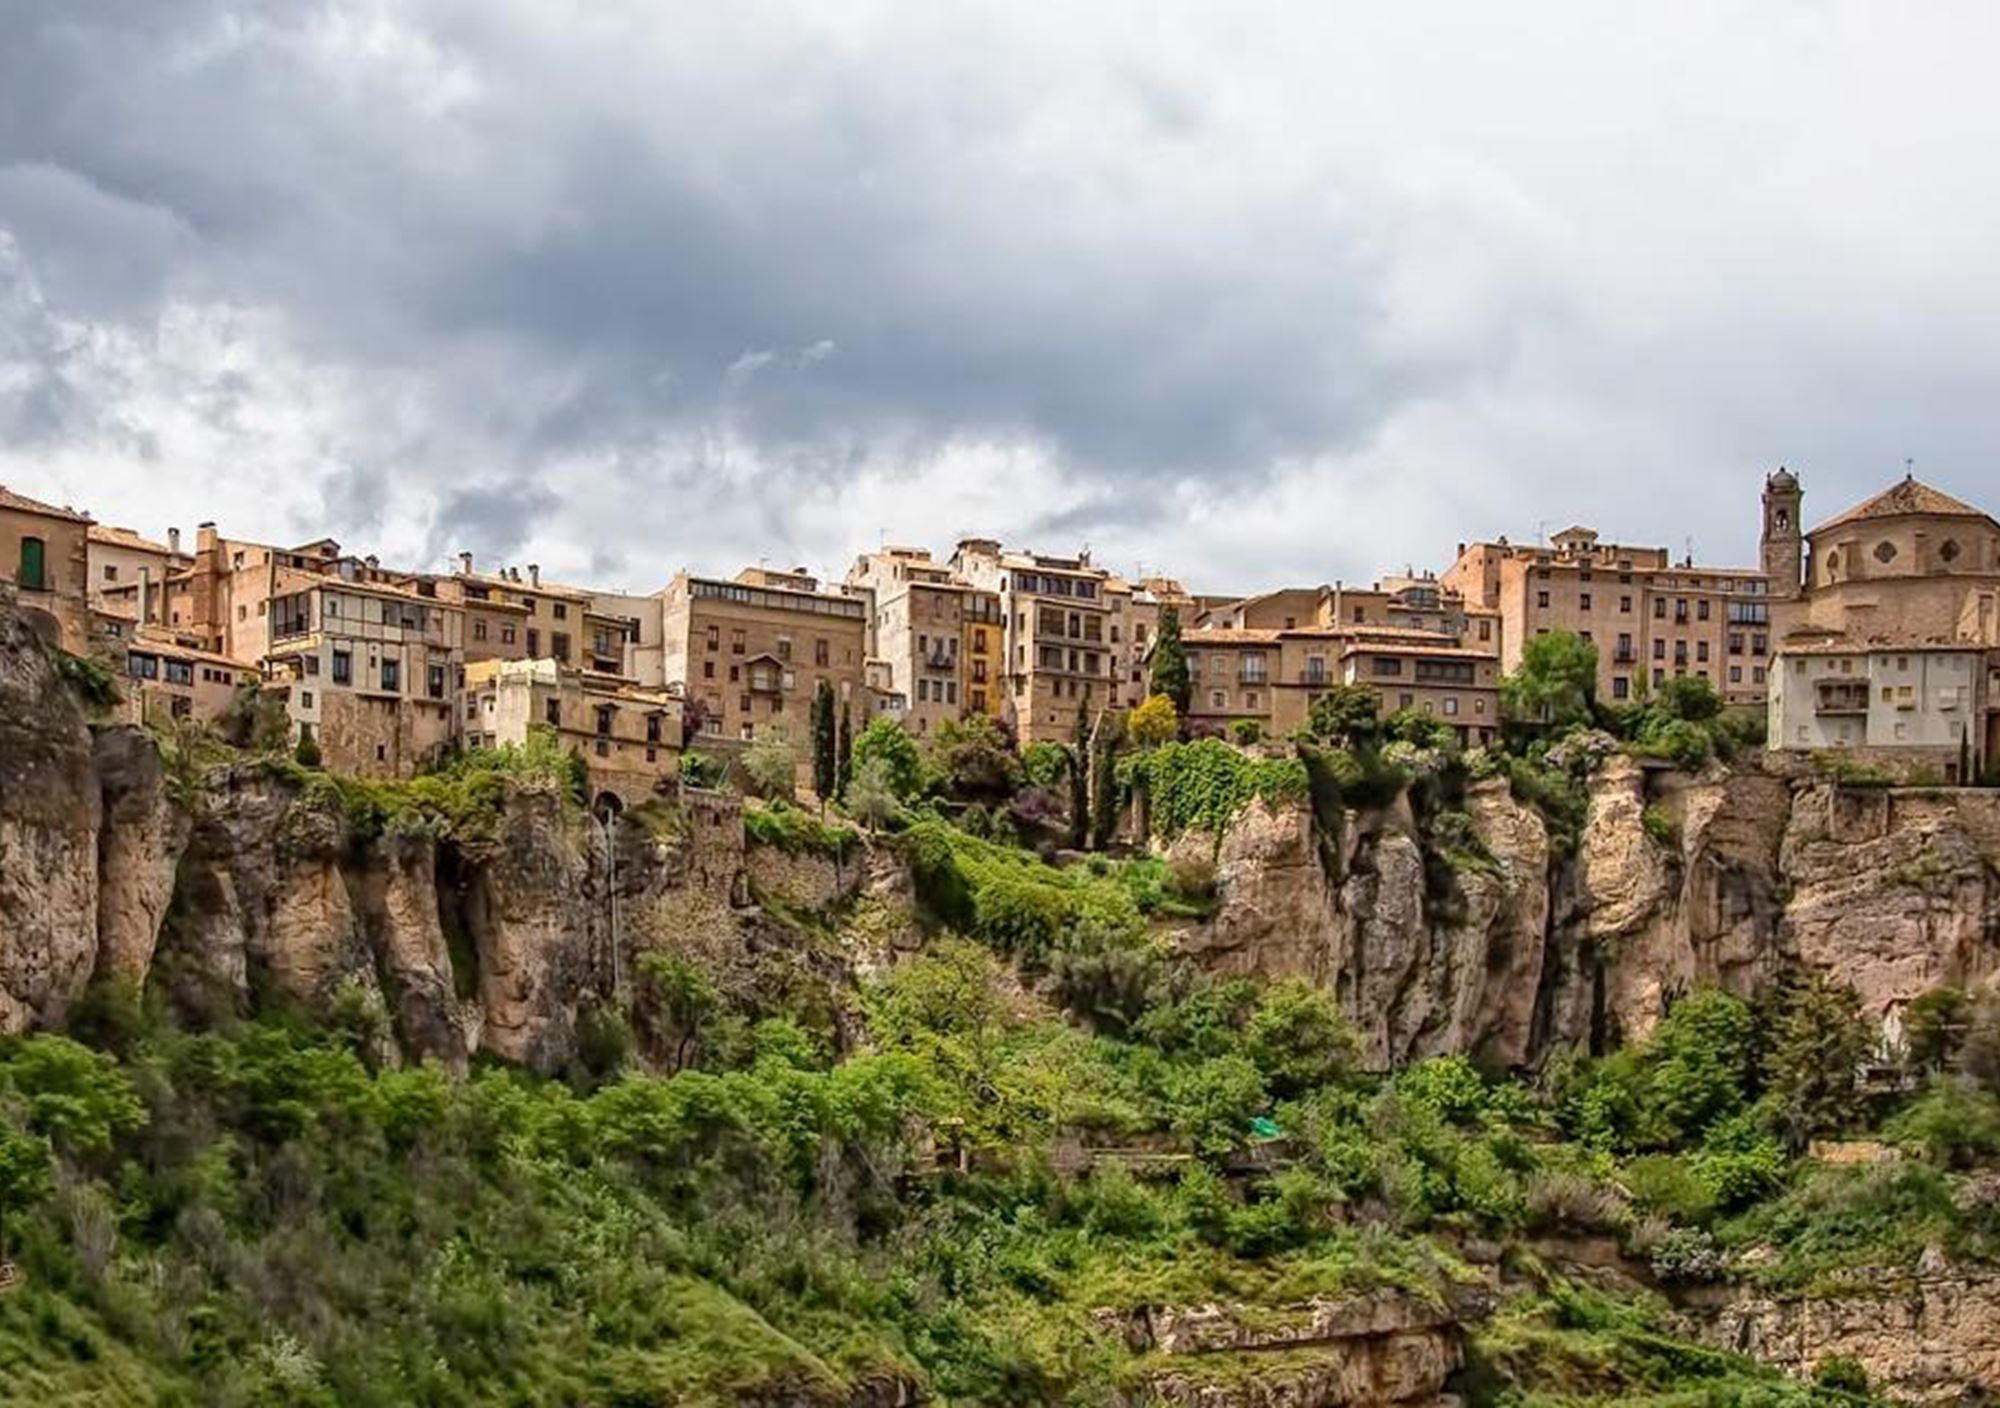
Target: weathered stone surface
(145,831)
(803,880)
(1896,892)
(1383,1348)
(415,959)
(1272,916)
(1931,1338)
(49,813)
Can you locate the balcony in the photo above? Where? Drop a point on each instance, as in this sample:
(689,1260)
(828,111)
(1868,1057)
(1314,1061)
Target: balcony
(1256,675)
(1624,655)
(1316,679)
(1841,699)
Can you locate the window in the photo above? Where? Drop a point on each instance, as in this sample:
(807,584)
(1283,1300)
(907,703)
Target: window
(652,733)
(179,672)
(820,652)
(343,667)
(1885,552)
(714,638)
(1621,688)
(110,573)
(1541,599)
(1583,601)
(1701,650)
(1451,704)
(434,681)
(290,616)
(142,667)
(559,645)
(479,630)
(1625,604)
(1736,674)
(1218,699)
(562,611)
(1736,642)
(34,573)
(392,675)
(1701,609)
(507,634)
(1760,645)
(1659,649)
(736,645)
(305,698)
(311,663)
(604,715)
(708,669)
(1659,608)
(1384,665)
(534,643)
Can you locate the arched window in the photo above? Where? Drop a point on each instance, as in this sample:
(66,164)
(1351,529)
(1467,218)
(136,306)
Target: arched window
(34,573)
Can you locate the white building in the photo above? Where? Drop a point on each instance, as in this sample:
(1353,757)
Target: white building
(1915,702)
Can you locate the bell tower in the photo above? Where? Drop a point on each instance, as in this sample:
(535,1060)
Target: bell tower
(1783,551)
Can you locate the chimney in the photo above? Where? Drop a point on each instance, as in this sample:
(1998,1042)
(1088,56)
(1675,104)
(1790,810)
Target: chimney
(534,574)
(174,541)
(465,563)
(145,594)
(205,537)
(371,562)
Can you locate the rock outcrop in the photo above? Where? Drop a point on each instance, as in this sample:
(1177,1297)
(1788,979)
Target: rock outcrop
(1366,1351)
(49,822)
(1929,1338)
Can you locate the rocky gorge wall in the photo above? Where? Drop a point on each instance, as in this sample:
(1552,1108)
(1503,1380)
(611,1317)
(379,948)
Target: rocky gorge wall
(1728,879)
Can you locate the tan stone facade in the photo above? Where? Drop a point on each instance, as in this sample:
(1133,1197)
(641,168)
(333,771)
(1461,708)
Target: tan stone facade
(166,680)
(1650,618)
(629,736)
(44,552)
(983,648)
(124,567)
(1057,653)
(749,654)
(917,632)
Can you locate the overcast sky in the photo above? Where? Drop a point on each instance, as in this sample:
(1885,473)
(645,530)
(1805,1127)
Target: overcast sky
(1250,294)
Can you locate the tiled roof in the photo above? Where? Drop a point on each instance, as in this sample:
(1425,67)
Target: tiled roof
(1228,635)
(24,504)
(1909,496)
(125,538)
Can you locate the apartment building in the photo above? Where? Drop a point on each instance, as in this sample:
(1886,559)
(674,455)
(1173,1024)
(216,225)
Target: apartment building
(44,552)
(1916,703)
(1271,676)
(916,612)
(1649,617)
(1057,653)
(751,652)
(365,659)
(167,680)
(628,735)
(983,649)
(119,558)
(508,617)
(1135,621)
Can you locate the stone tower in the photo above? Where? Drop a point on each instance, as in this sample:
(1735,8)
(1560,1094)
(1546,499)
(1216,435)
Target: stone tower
(1782,542)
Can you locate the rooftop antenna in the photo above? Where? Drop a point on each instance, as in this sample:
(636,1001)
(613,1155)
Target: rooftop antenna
(1909,467)
(1541,530)
(1688,543)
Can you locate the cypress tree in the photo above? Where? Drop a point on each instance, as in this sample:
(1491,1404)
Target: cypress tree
(823,743)
(1170,666)
(843,751)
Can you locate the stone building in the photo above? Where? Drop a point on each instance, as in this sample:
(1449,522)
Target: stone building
(1649,617)
(167,680)
(120,559)
(750,653)
(1904,590)
(917,629)
(509,618)
(366,659)
(1057,655)
(628,735)
(983,649)
(1135,622)
(44,552)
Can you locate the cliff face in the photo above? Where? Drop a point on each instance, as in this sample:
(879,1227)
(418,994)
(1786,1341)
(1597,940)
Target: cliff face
(1730,879)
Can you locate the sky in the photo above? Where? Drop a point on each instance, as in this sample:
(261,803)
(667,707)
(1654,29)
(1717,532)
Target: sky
(1249,294)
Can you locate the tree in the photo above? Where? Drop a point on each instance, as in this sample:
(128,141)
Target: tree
(871,795)
(1347,715)
(1079,775)
(1817,1045)
(975,759)
(1153,722)
(771,762)
(1556,681)
(887,742)
(825,745)
(1934,1028)
(24,1173)
(1170,667)
(306,754)
(843,751)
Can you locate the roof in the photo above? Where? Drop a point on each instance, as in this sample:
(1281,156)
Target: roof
(1230,635)
(1909,496)
(126,538)
(147,640)
(23,504)
(1453,652)
(529,588)
(1812,642)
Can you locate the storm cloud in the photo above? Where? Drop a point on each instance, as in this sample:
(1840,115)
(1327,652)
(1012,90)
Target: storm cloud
(1246,293)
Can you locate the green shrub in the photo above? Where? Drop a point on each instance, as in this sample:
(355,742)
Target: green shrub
(1205,785)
